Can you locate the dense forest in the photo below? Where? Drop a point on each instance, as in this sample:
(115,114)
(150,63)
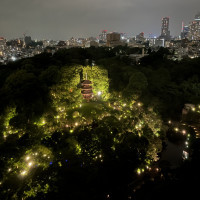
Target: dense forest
(54,144)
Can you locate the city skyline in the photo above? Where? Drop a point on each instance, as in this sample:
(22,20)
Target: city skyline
(62,20)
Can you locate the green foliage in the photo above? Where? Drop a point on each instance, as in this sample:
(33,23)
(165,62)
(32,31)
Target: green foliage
(9,114)
(67,91)
(137,84)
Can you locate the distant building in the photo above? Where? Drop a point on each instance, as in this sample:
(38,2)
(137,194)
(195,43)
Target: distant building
(61,43)
(165,33)
(2,41)
(185,32)
(194,28)
(102,36)
(113,39)
(91,44)
(27,40)
(140,37)
(123,36)
(159,43)
(2,44)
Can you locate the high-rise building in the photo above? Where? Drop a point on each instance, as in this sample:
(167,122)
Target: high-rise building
(194,28)
(102,36)
(27,40)
(185,32)
(165,33)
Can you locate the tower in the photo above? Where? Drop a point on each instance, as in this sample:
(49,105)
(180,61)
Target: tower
(194,28)
(102,36)
(86,89)
(165,33)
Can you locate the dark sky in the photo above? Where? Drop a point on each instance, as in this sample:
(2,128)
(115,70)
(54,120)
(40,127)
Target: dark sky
(62,19)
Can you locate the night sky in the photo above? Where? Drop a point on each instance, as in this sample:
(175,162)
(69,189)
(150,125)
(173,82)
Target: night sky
(62,19)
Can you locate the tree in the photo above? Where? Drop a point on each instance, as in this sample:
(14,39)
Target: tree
(137,84)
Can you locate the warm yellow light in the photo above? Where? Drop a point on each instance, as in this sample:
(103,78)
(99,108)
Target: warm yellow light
(23,173)
(184,132)
(138,171)
(176,129)
(28,157)
(157,169)
(30,164)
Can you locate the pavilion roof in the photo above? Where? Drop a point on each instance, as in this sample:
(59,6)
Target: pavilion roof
(86,82)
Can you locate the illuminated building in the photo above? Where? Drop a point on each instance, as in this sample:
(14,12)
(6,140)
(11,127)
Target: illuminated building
(159,42)
(194,28)
(185,32)
(140,37)
(123,36)
(103,35)
(165,33)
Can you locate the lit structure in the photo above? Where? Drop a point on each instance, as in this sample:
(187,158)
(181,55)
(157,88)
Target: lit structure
(165,33)
(86,89)
(103,35)
(185,32)
(2,41)
(194,28)
(140,37)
